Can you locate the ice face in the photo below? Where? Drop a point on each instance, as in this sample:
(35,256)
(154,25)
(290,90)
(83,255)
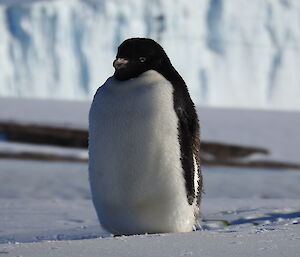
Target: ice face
(230,53)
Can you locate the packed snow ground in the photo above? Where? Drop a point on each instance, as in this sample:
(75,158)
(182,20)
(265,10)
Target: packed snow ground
(260,228)
(278,242)
(245,212)
(46,210)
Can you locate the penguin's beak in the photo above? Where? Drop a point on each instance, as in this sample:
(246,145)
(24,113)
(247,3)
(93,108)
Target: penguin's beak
(120,63)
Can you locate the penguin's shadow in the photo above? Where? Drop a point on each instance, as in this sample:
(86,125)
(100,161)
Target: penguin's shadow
(269,217)
(272,217)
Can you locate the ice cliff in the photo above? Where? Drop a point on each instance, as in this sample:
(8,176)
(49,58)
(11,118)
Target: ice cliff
(234,53)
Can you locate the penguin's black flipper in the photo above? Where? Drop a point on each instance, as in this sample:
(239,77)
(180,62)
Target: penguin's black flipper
(189,131)
(190,144)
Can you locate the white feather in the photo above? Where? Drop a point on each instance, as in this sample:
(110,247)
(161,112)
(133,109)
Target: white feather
(135,171)
(196,176)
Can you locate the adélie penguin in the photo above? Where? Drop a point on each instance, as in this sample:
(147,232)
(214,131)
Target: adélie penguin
(144,145)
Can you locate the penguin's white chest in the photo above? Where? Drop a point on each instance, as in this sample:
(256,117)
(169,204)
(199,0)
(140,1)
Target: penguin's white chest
(136,176)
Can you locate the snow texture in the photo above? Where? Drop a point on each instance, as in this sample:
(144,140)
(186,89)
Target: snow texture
(42,201)
(46,208)
(257,228)
(16,148)
(231,53)
(280,242)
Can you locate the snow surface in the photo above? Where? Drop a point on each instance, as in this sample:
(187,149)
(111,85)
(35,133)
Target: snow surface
(67,180)
(231,53)
(276,131)
(46,208)
(66,114)
(279,242)
(51,201)
(259,228)
(17,148)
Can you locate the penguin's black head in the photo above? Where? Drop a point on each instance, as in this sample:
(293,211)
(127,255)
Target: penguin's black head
(137,55)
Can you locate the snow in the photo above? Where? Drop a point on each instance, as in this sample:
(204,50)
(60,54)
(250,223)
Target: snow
(42,201)
(275,131)
(233,53)
(42,150)
(68,180)
(66,114)
(277,234)
(233,244)
(46,207)
(251,183)
(43,180)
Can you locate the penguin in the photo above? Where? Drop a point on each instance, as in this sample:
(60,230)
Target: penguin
(144,145)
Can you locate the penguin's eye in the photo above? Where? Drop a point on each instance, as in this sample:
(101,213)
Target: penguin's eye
(142,59)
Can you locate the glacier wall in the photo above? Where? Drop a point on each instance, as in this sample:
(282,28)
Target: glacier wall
(231,53)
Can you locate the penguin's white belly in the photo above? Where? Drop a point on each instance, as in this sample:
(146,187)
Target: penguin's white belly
(136,176)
